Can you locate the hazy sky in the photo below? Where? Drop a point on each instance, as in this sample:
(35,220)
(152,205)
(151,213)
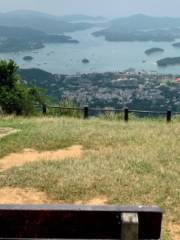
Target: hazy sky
(96,7)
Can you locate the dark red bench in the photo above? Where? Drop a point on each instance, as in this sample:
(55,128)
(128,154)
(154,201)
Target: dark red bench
(79,222)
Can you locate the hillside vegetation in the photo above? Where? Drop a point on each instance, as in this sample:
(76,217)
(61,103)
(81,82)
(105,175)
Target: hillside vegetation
(114,89)
(134,163)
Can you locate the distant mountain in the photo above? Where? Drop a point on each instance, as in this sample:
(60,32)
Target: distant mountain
(144,22)
(142,28)
(82,18)
(41,21)
(25,13)
(67,18)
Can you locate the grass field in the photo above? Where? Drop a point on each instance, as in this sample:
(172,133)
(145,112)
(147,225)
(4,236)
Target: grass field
(125,163)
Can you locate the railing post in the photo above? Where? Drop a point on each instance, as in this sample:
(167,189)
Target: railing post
(44,109)
(169,116)
(86,112)
(126,114)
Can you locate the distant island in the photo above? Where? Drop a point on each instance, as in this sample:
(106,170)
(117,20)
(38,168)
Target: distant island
(156,35)
(27,58)
(168,61)
(176,44)
(153,50)
(85,60)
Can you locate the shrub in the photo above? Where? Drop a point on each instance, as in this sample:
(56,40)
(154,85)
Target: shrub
(65,103)
(15,97)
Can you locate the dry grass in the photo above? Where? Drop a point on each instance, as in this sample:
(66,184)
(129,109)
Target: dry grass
(134,163)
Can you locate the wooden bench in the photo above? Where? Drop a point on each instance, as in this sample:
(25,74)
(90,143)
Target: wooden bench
(79,222)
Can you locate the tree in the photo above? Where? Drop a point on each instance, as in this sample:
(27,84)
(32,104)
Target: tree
(15,97)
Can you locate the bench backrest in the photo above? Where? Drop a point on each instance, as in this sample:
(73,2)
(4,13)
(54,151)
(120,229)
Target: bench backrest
(75,222)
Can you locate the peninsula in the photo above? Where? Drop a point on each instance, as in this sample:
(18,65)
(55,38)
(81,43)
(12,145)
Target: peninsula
(15,39)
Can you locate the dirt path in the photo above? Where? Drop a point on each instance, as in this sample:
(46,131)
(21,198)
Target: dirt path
(31,155)
(7,131)
(10,195)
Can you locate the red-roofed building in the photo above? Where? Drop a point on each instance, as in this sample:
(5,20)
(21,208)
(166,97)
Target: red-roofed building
(178,80)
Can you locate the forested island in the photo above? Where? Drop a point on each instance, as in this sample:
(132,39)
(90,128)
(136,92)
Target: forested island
(114,35)
(27,58)
(168,61)
(85,61)
(141,28)
(153,50)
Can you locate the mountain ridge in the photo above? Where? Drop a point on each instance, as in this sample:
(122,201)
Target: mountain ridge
(41,21)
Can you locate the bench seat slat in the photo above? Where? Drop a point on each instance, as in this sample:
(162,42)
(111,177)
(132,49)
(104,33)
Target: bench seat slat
(75,222)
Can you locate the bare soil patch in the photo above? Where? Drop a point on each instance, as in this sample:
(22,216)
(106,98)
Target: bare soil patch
(7,131)
(31,155)
(10,195)
(174,231)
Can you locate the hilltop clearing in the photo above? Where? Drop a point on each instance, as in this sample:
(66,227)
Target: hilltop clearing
(121,163)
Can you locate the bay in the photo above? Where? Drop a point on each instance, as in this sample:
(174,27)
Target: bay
(103,56)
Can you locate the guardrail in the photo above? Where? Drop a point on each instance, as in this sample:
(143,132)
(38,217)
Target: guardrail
(126,111)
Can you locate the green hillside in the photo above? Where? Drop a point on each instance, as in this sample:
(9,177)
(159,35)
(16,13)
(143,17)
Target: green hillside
(138,91)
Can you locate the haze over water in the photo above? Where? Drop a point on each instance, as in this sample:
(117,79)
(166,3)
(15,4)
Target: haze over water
(113,8)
